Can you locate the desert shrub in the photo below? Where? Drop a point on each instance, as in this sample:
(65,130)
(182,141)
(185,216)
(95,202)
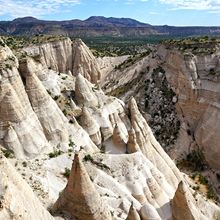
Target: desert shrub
(66,172)
(65,112)
(212,71)
(196,160)
(56,97)
(88,157)
(196,187)
(8,66)
(55,153)
(71,143)
(211,193)
(24,163)
(203,180)
(8,153)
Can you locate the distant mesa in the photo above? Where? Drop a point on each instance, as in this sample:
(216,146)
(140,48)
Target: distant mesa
(98,26)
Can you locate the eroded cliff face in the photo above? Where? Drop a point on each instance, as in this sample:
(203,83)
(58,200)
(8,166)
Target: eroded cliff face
(179,91)
(66,56)
(119,170)
(20,128)
(196,81)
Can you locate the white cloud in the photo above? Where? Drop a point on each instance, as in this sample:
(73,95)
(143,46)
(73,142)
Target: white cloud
(36,8)
(193,4)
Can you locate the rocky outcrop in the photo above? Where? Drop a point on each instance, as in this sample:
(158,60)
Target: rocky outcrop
(56,55)
(84,62)
(17,200)
(80,198)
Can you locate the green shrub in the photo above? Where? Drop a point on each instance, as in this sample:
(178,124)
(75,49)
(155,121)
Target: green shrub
(56,153)
(193,176)
(88,157)
(24,163)
(8,153)
(71,143)
(212,72)
(66,172)
(2,43)
(211,194)
(203,180)
(49,92)
(196,160)
(196,187)
(56,97)
(65,112)
(8,66)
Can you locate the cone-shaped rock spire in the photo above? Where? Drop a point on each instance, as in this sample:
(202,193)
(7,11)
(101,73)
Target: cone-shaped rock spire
(133,214)
(49,114)
(85,62)
(183,204)
(132,145)
(11,109)
(150,147)
(75,109)
(119,139)
(91,126)
(26,127)
(80,198)
(84,93)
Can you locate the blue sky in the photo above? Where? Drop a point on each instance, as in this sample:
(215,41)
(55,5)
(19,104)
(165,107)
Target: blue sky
(157,12)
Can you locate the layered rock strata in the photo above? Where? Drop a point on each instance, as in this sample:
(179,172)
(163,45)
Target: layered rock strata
(66,56)
(19,124)
(195,80)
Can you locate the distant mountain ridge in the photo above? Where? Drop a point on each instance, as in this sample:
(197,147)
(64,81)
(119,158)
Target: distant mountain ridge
(98,26)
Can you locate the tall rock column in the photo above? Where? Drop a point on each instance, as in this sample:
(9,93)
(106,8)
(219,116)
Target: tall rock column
(85,62)
(80,198)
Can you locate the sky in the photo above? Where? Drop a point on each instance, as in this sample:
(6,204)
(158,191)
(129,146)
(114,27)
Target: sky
(155,12)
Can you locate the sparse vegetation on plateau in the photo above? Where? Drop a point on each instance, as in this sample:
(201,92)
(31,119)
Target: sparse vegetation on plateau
(19,42)
(119,46)
(195,45)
